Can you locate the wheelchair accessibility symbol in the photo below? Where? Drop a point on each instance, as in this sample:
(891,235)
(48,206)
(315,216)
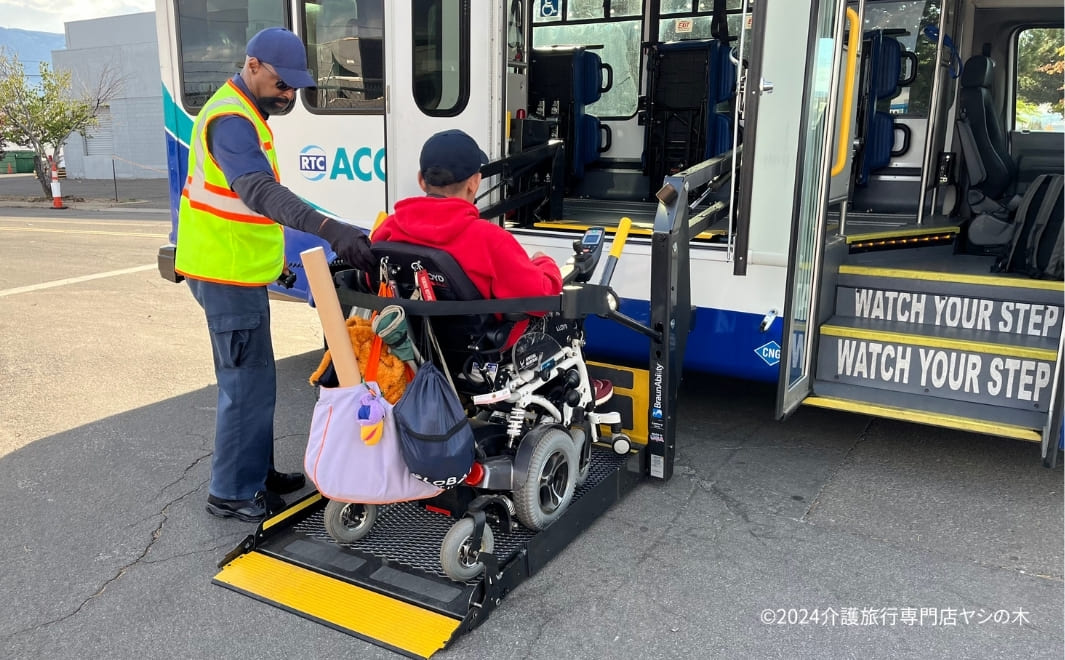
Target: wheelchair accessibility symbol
(548,8)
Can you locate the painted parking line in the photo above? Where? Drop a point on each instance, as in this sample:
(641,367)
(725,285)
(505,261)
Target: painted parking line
(74,280)
(84,231)
(82,221)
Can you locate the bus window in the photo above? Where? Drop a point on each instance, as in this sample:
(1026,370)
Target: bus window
(441,72)
(212,35)
(345,45)
(618,34)
(905,20)
(680,21)
(1037,104)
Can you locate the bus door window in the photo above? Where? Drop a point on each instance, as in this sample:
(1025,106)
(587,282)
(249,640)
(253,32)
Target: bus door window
(441,73)
(345,39)
(212,35)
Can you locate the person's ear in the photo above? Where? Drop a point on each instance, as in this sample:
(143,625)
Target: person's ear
(421,182)
(473,183)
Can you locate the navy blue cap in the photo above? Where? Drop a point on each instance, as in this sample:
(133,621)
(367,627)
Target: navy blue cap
(283,51)
(454,155)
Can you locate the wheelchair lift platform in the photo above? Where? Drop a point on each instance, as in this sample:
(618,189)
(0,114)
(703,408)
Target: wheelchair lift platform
(389,587)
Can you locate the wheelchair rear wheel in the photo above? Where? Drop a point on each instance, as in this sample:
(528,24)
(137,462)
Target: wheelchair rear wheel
(550,481)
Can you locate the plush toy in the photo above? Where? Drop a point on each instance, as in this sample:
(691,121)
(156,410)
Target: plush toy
(392,373)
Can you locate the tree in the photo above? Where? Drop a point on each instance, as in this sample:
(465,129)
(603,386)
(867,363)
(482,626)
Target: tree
(1039,67)
(43,117)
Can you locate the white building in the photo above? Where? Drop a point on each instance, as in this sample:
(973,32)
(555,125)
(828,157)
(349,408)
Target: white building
(130,135)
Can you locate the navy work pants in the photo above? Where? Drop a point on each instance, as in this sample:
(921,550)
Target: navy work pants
(238,318)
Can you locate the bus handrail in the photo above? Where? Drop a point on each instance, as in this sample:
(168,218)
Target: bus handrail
(848,91)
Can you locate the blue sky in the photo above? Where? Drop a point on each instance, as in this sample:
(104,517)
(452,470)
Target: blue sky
(49,15)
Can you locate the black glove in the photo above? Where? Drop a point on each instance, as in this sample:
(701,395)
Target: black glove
(350,243)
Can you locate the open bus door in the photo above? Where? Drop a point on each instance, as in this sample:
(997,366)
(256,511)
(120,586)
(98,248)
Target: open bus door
(817,146)
(443,73)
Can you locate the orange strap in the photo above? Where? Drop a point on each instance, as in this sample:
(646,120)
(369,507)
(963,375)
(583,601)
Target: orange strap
(384,291)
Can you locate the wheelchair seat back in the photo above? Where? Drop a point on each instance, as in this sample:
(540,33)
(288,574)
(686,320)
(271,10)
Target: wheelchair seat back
(458,335)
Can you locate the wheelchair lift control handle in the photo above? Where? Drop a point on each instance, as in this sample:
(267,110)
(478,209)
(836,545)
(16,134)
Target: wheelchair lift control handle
(616,247)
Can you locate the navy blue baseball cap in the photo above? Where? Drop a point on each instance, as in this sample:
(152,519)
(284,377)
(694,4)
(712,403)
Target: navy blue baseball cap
(453,155)
(283,51)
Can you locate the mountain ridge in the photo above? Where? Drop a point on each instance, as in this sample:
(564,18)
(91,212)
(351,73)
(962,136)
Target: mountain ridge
(31,47)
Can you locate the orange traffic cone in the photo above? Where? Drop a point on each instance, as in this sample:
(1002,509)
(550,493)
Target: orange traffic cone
(57,198)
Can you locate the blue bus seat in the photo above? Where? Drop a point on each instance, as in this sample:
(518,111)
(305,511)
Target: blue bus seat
(564,81)
(885,55)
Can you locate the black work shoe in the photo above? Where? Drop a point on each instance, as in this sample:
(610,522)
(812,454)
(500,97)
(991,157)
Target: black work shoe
(284,482)
(256,509)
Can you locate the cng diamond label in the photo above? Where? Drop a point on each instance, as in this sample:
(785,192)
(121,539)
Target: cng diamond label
(770,353)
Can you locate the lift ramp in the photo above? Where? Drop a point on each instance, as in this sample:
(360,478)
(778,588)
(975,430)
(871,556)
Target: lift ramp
(389,588)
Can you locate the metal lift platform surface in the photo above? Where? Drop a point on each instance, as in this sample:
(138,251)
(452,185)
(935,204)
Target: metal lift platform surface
(389,588)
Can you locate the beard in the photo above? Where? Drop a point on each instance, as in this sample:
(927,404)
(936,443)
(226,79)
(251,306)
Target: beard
(276,105)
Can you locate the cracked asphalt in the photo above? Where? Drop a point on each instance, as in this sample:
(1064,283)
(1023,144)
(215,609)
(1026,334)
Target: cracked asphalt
(855,537)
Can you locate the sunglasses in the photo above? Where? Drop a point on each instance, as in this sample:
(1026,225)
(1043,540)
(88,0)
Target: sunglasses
(279,84)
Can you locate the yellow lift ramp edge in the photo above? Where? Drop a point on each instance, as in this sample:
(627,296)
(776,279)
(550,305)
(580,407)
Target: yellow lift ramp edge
(389,588)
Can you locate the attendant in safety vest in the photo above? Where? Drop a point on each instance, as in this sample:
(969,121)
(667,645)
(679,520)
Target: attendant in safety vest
(230,245)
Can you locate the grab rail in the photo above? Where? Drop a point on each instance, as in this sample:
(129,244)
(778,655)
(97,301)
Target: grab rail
(853,42)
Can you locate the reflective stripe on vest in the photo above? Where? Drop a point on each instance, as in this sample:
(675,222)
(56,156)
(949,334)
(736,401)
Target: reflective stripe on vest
(219,238)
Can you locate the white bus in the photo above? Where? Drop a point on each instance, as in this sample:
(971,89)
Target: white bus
(854,141)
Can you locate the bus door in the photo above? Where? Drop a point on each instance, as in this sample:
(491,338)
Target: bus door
(444,69)
(817,145)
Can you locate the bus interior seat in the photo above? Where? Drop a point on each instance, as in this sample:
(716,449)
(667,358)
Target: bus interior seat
(990,165)
(563,82)
(885,55)
(689,80)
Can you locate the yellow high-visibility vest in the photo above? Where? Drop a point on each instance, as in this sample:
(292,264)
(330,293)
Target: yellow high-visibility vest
(219,238)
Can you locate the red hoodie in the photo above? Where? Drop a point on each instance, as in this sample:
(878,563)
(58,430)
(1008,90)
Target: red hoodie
(493,259)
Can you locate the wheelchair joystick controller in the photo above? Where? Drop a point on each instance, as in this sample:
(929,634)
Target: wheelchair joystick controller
(586,252)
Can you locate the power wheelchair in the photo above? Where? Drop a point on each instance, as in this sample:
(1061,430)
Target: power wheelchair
(531,402)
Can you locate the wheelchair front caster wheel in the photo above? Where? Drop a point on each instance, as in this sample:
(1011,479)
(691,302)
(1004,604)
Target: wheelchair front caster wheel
(457,556)
(347,522)
(621,444)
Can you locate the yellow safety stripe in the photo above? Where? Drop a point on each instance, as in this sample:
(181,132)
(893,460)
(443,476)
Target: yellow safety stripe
(928,418)
(1047,354)
(291,511)
(362,612)
(958,278)
(902,234)
(637,229)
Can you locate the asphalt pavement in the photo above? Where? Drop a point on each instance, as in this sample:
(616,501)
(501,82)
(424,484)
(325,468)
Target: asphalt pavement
(829,535)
